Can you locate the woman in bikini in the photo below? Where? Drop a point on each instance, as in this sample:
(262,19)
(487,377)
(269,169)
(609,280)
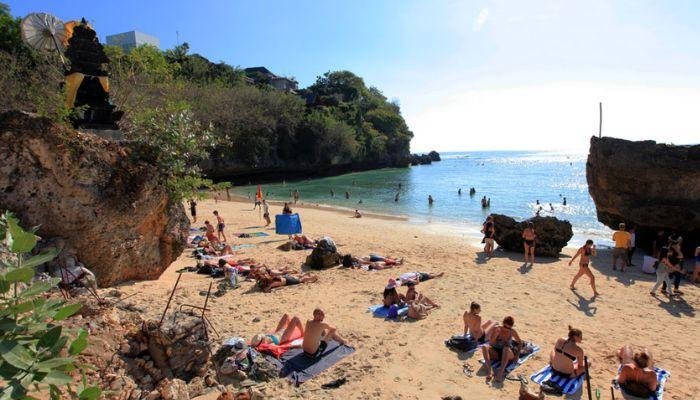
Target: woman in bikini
(287,330)
(567,357)
(585,253)
(529,244)
(267,282)
(504,345)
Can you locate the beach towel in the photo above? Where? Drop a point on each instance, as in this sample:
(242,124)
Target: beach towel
(380,311)
(242,246)
(661,376)
(287,224)
(250,234)
(568,384)
(514,364)
(299,368)
(277,350)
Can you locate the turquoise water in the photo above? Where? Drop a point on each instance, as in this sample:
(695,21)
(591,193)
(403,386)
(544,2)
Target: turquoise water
(513,181)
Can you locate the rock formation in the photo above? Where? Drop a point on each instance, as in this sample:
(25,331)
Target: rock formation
(94,193)
(552,234)
(648,185)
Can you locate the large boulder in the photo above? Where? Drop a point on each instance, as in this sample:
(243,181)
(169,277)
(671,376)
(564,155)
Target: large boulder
(434,156)
(106,203)
(552,234)
(648,185)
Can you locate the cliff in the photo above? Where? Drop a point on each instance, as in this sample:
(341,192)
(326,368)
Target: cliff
(107,204)
(648,185)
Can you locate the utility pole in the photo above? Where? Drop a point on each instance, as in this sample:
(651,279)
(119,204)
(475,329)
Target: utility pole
(600,120)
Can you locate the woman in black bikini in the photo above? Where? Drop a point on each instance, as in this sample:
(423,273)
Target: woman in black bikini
(504,346)
(585,252)
(567,357)
(529,244)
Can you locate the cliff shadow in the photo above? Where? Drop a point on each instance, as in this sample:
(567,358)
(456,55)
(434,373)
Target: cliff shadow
(481,258)
(602,264)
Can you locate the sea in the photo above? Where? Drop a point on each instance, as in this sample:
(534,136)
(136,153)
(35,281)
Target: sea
(514,181)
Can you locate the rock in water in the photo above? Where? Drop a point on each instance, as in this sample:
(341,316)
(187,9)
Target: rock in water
(104,201)
(552,234)
(648,185)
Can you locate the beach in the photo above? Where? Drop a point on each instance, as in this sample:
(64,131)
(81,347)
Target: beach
(409,360)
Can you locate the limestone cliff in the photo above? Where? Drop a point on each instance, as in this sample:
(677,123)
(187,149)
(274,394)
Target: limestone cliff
(648,185)
(107,204)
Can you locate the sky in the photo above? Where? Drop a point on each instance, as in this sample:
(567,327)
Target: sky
(469,75)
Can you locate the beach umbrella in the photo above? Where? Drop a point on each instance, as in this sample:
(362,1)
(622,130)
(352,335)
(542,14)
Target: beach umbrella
(44,31)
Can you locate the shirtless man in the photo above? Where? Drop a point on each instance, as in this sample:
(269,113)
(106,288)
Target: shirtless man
(317,333)
(473,325)
(529,244)
(220,226)
(504,345)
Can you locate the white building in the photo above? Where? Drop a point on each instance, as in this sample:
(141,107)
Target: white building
(132,39)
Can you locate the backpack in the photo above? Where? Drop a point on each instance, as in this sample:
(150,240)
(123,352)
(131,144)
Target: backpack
(461,343)
(318,259)
(326,244)
(551,387)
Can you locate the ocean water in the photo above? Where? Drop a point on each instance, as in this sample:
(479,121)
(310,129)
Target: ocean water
(513,180)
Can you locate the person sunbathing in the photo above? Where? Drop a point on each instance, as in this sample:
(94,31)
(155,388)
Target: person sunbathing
(304,241)
(567,357)
(211,233)
(272,282)
(473,325)
(416,277)
(637,376)
(375,258)
(391,296)
(504,345)
(286,329)
(317,333)
(414,296)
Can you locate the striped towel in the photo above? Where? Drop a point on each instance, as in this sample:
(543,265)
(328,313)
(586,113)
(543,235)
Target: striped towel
(514,364)
(568,384)
(661,376)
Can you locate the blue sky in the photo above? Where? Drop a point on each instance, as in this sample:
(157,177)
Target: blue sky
(470,75)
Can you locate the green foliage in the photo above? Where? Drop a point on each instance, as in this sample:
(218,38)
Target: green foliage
(176,143)
(32,343)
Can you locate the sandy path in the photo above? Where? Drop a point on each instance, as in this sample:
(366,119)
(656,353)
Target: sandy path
(408,359)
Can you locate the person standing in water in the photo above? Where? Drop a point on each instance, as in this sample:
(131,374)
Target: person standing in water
(585,254)
(347,195)
(564,203)
(396,198)
(430,200)
(332,193)
(459,192)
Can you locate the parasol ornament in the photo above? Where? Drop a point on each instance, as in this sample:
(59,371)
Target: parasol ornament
(44,31)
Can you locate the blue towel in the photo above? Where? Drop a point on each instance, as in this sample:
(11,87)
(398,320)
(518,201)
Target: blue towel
(287,224)
(661,376)
(299,368)
(514,364)
(380,311)
(568,384)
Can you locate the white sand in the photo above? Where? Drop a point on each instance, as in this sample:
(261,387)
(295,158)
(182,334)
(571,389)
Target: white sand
(409,359)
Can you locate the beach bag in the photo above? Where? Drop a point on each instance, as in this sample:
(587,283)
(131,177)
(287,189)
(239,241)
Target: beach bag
(461,343)
(551,387)
(326,244)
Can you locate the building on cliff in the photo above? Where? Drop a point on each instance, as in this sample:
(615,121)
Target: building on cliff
(263,75)
(132,39)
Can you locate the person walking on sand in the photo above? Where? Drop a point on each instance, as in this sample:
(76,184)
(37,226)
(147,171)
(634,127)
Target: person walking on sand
(663,268)
(622,243)
(529,237)
(193,210)
(585,253)
(220,226)
(266,213)
(317,333)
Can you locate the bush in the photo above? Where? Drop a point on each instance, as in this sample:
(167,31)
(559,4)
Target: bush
(35,353)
